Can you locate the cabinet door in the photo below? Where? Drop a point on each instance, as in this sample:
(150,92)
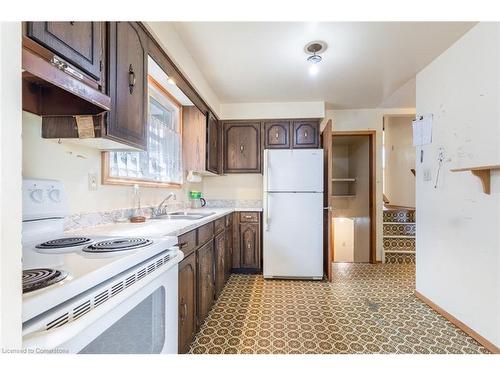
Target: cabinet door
(187,302)
(194,134)
(205,280)
(79,43)
(229,251)
(305,134)
(242,147)
(277,134)
(220,266)
(250,245)
(128,84)
(214,145)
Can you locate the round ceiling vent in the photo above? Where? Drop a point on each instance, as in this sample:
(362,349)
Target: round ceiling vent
(313,48)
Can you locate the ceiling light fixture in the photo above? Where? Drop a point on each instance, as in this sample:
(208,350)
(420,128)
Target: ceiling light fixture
(313,49)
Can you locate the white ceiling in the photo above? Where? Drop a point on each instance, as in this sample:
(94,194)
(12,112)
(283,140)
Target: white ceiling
(364,66)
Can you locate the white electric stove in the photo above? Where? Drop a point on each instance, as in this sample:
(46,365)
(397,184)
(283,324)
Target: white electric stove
(81,293)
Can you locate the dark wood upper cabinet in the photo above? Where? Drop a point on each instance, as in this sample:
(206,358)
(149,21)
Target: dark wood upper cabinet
(187,302)
(128,84)
(78,43)
(277,134)
(206,283)
(214,145)
(305,134)
(242,147)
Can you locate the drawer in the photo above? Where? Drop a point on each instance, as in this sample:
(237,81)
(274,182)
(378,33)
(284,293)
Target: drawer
(187,242)
(249,217)
(229,220)
(220,224)
(205,233)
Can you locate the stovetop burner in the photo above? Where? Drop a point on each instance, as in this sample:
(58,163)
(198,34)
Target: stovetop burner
(38,278)
(118,244)
(64,242)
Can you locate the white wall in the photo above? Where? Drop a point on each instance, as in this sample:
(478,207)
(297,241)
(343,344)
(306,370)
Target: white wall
(10,185)
(167,37)
(367,119)
(458,242)
(399,181)
(233,186)
(234,111)
(70,163)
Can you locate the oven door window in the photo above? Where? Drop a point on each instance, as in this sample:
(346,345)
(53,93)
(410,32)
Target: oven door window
(140,331)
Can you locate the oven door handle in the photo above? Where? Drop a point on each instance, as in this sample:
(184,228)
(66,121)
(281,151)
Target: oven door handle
(56,337)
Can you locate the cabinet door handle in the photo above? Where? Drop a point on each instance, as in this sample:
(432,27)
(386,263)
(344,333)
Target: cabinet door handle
(242,148)
(182,245)
(305,134)
(131,79)
(277,135)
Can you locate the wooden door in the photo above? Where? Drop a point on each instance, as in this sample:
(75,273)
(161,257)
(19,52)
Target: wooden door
(194,134)
(250,245)
(128,84)
(305,134)
(205,278)
(220,265)
(214,145)
(229,246)
(187,302)
(328,201)
(78,43)
(242,147)
(277,134)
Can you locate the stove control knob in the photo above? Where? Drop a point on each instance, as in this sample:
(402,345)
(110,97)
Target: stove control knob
(55,195)
(37,195)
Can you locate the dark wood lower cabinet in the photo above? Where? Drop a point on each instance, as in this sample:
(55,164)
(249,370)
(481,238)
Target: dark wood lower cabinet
(205,280)
(203,273)
(250,245)
(187,302)
(247,244)
(220,266)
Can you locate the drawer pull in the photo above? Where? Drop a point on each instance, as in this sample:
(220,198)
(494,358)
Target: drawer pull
(183,245)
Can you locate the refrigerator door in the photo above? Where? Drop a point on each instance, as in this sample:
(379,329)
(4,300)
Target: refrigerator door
(293,235)
(293,170)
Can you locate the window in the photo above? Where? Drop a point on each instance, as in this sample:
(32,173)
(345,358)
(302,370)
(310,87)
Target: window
(161,165)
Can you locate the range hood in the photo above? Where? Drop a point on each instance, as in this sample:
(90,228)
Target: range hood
(50,89)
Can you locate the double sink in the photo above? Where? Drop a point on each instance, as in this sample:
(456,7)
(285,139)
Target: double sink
(183,215)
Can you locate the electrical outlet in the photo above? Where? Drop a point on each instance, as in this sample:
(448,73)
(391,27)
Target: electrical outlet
(427,175)
(92,181)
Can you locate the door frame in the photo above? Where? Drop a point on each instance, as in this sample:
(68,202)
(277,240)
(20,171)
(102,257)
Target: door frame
(372,134)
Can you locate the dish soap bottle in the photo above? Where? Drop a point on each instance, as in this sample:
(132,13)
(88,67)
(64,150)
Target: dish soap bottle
(137,217)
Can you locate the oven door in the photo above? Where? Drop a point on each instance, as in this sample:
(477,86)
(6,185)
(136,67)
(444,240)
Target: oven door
(139,320)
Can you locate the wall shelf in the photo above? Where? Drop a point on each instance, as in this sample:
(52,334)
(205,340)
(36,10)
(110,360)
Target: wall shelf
(343,179)
(483,172)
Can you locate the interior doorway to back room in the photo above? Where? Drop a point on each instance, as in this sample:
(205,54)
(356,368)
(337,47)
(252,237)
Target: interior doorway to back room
(399,180)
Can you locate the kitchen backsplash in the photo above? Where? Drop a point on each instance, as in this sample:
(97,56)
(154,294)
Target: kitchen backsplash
(86,220)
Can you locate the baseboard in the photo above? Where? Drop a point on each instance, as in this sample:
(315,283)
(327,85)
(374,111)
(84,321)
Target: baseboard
(476,336)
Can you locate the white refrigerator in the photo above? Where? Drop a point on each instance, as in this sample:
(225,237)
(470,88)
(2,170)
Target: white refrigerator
(293,214)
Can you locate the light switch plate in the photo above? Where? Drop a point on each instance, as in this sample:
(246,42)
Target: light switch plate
(427,175)
(92,181)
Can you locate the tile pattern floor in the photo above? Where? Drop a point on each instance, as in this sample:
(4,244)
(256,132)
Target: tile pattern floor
(369,308)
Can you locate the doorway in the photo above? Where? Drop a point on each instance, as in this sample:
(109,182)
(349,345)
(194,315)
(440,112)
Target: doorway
(352,195)
(398,162)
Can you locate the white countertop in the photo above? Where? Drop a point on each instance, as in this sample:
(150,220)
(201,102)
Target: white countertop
(158,227)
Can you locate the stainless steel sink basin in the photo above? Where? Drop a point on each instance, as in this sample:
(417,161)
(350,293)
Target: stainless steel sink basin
(182,215)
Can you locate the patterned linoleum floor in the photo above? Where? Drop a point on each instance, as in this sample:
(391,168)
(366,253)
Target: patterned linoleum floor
(368,308)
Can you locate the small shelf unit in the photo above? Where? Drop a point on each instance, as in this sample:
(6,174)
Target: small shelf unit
(482,172)
(343,180)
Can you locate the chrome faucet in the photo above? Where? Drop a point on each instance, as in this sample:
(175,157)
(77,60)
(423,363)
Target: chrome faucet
(160,209)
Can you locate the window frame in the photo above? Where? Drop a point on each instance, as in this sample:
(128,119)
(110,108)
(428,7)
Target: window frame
(107,179)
